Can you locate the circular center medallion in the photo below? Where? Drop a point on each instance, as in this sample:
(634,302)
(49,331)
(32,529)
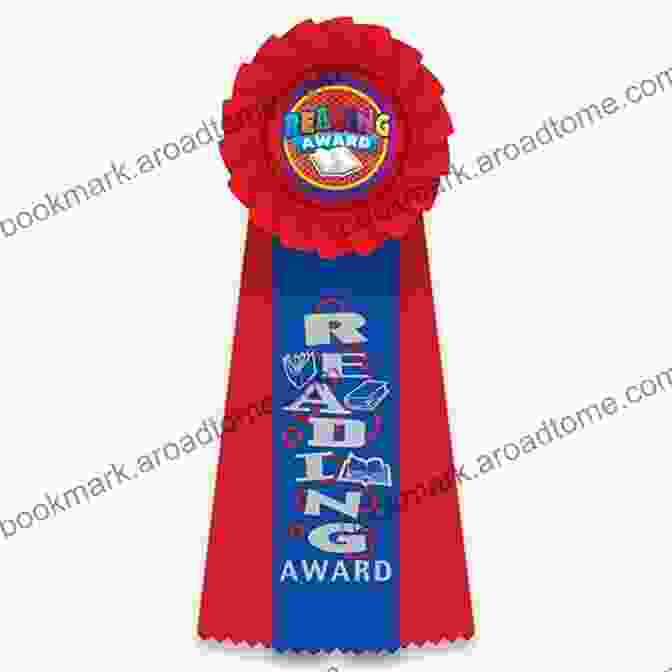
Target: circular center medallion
(336,137)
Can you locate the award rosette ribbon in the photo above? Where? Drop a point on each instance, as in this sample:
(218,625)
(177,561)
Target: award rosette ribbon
(336,521)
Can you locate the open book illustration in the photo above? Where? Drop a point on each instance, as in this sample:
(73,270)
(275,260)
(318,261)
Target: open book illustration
(373,471)
(335,162)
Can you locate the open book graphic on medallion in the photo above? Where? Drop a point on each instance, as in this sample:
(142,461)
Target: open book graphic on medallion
(335,162)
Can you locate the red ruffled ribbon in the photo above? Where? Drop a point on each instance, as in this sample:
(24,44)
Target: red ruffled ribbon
(251,151)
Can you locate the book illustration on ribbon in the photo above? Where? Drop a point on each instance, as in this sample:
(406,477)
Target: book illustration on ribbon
(300,368)
(373,471)
(335,162)
(367,396)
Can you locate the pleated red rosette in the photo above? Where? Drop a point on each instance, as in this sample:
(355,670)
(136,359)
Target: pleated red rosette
(251,151)
(336,521)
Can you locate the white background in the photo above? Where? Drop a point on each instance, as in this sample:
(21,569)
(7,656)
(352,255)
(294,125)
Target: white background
(552,279)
